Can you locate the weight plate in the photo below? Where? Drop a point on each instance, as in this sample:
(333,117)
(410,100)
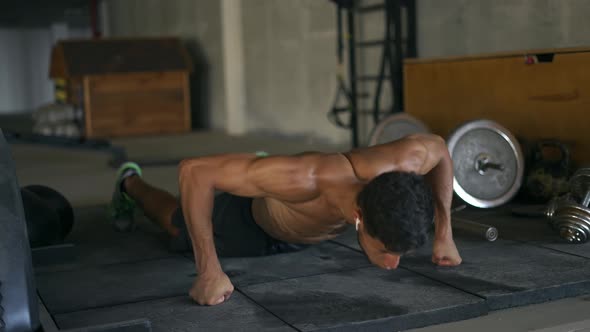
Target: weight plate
(488,163)
(573,222)
(396,126)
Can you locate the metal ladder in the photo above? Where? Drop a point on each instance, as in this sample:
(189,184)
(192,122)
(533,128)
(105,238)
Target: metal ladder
(394,49)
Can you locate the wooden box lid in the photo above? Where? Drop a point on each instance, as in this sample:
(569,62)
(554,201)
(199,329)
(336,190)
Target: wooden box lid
(76,58)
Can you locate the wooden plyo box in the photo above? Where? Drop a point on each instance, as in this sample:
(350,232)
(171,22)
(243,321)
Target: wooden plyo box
(535,94)
(126,87)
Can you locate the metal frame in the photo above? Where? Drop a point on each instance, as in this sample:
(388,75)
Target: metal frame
(17,295)
(352,75)
(392,56)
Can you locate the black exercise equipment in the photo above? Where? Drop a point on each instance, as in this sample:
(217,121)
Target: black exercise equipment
(58,203)
(20,308)
(548,171)
(43,224)
(18,299)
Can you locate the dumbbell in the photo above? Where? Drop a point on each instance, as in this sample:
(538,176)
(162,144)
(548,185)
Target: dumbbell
(554,203)
(570,214)
(48,214)
(580,186)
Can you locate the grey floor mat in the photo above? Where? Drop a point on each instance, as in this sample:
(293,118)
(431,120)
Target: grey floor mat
(508,273)
(531,230)
(364,299)
(318,259)
(463,241)
(119,276)
(179,314)
(97,243)
(108,285)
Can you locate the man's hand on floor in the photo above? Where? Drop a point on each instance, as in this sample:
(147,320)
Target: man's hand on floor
(444,252)
(211,288)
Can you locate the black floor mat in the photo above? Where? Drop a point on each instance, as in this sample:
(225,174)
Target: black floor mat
(119,276)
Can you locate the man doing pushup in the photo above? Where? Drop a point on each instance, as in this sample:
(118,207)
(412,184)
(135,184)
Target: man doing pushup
(391,194)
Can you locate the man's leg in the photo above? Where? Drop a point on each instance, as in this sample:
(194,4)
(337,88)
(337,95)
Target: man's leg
(158,205)
(132,191)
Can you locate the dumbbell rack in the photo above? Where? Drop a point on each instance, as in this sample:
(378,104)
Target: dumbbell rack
(393,53)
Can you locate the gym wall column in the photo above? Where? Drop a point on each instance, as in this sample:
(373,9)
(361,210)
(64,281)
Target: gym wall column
(104,19)
(233,66)
(13,78)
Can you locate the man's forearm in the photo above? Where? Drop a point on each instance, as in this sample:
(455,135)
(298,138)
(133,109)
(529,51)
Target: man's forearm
(201,233)
(197,196)
(441,181)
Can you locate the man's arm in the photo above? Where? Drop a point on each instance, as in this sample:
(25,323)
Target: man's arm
(288,178)
(438,169)
(424,154)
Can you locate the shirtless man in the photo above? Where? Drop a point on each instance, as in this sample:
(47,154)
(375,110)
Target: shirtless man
(391,193)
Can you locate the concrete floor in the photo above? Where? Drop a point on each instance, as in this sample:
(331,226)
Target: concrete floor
(85,179)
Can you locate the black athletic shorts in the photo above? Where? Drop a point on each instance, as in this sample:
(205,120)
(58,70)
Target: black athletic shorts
(235,232)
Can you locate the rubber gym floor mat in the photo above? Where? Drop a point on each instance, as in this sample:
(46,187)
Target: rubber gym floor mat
(97,243)
(108,285)
(317,259)
(180,314)
(364,299)
(349,239)
(112,284)
(509,273)
(533,230)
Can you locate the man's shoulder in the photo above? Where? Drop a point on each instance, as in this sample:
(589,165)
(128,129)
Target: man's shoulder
(400,155)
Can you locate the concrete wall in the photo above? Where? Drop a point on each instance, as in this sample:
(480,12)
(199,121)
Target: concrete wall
(290,67)
(197,22)
(24,66)
(465,27)
(460,27)
(13,72)
(289,49)
(288,58)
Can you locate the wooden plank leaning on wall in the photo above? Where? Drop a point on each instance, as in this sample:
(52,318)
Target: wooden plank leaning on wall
(539,100)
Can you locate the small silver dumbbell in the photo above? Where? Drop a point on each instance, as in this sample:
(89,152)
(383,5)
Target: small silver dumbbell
(570,214)
(554,203)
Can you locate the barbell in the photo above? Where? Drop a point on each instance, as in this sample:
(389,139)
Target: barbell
(488,162)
